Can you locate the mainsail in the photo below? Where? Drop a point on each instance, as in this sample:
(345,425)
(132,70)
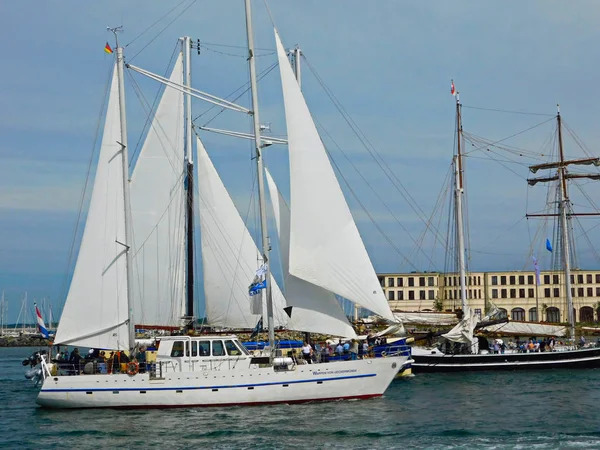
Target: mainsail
(314,309)
(325,246)
(158,214)
(95,311)
(229,255)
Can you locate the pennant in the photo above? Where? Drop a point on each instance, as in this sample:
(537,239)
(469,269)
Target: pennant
(452,88)
(548,245)
(107,49)
(536,267)
(257,329)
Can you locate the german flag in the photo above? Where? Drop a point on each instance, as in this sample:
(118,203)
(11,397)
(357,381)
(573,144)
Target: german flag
(107,49)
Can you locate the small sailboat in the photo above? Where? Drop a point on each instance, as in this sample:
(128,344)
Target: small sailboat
(131,225)
(460,349)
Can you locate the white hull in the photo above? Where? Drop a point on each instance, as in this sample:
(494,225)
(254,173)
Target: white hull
(250,385)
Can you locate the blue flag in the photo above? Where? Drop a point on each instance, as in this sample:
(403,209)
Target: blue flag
(255,288)
(548,245)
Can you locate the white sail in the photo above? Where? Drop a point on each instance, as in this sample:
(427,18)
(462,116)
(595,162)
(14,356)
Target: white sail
(158,215)
(230,257)
(95,311)
(315,309)
(325,246)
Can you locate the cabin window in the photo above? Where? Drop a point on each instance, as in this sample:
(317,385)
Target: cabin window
(232,350)
(241,347)
(194,346)
(177,350)
(204,348)
(217,348)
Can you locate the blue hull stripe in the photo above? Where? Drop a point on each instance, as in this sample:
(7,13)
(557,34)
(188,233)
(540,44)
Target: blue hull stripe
(191,388)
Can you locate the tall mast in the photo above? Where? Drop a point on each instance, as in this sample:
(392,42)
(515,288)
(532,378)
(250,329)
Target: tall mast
(564,213)
(297,53)
(266,248)
(189,167)
(127,201)
(563,208)
(458,195)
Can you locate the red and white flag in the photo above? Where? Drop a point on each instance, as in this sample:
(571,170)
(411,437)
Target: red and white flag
(452,88)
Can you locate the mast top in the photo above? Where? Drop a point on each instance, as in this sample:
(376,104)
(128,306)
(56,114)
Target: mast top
(114,31)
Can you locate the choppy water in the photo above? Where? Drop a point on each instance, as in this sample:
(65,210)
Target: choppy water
(542,410)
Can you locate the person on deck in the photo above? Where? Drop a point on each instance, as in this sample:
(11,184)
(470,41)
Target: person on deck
(307,352)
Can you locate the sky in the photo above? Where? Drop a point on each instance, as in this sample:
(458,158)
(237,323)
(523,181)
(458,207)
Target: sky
(389,64)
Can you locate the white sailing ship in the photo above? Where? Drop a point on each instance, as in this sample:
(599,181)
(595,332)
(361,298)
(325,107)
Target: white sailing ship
(134,265)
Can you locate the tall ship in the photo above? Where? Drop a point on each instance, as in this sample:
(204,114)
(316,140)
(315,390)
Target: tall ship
(135,264)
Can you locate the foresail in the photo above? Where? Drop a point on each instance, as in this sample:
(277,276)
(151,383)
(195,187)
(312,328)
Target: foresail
(158,215)
(230,257)
(314,309)
(95,311)
(325,246)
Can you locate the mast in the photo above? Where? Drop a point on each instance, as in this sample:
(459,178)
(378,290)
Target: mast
(127,201)
(297,53)
(563,208)
(266,248)
(458,195)
(189,167)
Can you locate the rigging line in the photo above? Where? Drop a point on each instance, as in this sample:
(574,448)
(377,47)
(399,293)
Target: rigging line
(163,30)
(369,146)
(205,47)
(77,224)
(369,185)
(474,140)
(261,75)
(243,47)
(509,111)
(151,26)
(504,165)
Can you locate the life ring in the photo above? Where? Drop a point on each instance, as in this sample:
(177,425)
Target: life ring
(133,368)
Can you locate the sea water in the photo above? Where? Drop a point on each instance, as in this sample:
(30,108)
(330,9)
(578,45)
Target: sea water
(534,409)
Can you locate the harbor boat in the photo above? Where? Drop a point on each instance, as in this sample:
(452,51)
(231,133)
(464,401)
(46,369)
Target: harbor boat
(460,349)
(105,300)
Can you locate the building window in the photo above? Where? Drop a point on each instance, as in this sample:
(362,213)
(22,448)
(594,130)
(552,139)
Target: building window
(547,292)
(382,281)
(590,292)
(518,314)
(553,315)
(533,316)
(503,280)
(400,295)
(494,280)
(390,282)
(503,312)
(530,293)
(411,295)
(521,279)
(546,279)
(512,280)
(586,314)
(589,279)
(431,294)
(521,293)
(411,281)
(470,281)
(430,281)
(503,293)
(598,292)
(598,278)
(495,293)
(580,292)
(391,295)
(421,281)
(580,279)
(572,279)
(555,279)
(513,293)
(421,294)
(400,281)
(557,292)
(529,279)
